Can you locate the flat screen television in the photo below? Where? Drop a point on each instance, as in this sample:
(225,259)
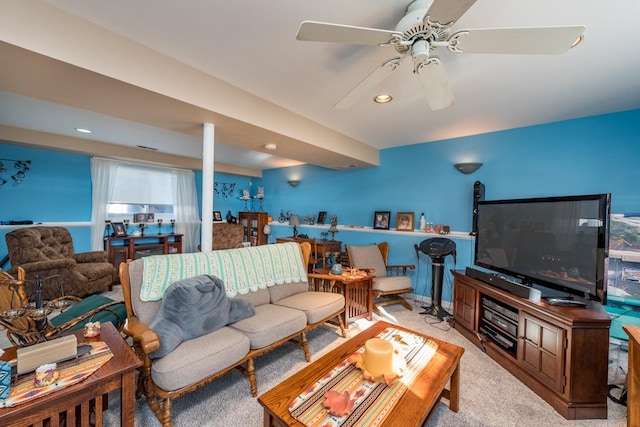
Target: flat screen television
(556,244)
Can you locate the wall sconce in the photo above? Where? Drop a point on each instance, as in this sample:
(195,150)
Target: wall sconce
(22,167)
(467,168)
(294,182)
(295,221)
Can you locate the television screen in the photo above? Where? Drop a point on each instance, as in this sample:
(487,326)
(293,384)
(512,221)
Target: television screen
(559,243)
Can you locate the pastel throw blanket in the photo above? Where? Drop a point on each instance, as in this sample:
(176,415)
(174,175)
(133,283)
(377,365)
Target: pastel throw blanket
(242,270)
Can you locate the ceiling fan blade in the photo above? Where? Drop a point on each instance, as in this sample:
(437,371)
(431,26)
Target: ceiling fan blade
(448,11)
(535,40)
(366,85)
(337,33)
(435,83)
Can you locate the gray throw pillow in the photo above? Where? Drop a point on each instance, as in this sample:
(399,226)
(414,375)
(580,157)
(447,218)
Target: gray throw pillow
(194,307)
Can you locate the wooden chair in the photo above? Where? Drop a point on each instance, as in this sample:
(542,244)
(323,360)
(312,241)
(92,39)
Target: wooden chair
(74,312)
(390,282)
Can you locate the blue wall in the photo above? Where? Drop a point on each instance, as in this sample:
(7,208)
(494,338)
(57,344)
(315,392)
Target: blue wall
(592,155)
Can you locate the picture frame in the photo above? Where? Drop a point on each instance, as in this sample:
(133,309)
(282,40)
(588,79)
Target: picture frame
(322,217)
(139,217)
(118,229)
(405,221)
(381,220)
(217,216)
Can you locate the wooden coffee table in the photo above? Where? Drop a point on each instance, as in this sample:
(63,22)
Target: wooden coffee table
(412,409)
(74,403)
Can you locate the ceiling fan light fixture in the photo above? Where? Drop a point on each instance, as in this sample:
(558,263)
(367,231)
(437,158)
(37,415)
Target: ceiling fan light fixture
(383,98)
(577,41)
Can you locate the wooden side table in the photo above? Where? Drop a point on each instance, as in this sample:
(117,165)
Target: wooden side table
(357,291)
(72,405)
(633,375)
(120,249)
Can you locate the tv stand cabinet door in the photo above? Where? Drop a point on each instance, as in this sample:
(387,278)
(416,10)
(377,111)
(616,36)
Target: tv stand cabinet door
(465,298)
(542,351)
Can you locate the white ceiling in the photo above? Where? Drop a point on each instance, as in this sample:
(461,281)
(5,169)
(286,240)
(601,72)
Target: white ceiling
(252,45)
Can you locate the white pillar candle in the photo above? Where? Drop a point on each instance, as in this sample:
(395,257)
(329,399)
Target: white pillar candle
(378,357)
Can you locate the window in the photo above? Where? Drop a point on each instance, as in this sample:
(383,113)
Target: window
(141,190)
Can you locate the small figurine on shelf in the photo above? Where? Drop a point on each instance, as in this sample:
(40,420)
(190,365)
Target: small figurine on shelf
(107,228)
(173,226)
(159,225)
(126,225)
(142,226)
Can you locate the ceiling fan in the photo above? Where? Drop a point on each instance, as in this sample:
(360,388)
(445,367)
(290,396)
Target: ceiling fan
(426,27)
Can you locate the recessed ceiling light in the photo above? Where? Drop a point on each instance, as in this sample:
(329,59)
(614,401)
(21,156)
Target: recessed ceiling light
(383,98)
(270,146)
(144,147)
(82,130)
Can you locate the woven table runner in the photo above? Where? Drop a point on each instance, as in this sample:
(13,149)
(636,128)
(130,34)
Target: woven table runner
(373,400)
(71,372)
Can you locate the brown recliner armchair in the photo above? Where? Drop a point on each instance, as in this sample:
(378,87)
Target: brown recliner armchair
(227,236)
(48,251)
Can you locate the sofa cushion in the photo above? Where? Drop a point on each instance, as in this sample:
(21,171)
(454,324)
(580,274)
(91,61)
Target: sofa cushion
(315,305)
(286,290)
(270,324)
(368,256)
(145,311)
(200,357)
(391,283)
(259,297)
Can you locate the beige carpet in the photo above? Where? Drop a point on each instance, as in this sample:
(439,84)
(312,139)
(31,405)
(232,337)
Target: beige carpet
(490,396)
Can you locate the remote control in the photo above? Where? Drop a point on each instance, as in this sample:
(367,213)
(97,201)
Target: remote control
(566,302)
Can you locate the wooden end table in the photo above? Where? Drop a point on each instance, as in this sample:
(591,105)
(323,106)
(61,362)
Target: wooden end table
(413,407)
(357,291)
(73,403)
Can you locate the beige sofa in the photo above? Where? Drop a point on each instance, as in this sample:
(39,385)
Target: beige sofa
(284,312)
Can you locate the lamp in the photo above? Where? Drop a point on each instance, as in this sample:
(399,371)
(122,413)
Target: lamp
(333,228)
(468,168)
(295,221)
(294,182)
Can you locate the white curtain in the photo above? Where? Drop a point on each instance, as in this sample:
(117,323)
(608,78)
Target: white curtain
(185,202)
(102,180)
(185,208)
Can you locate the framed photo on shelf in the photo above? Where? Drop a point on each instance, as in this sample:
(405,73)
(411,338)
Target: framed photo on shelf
(139,217)
(404,221)
(118,229)
(217,216)
(381,220)
(322,216)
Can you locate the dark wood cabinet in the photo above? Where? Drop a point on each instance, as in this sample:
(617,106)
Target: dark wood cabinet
(561,353)
(120,249)
(464,301)
(253,224)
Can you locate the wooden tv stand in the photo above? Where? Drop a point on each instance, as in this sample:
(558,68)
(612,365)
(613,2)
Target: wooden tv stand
(561,353)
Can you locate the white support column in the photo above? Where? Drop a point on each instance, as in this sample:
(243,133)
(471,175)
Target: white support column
(208,144)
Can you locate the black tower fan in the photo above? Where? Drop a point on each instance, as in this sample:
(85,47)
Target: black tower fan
(437,248)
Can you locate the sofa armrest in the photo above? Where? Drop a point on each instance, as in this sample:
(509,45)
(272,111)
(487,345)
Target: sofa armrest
(93,256)
(396,270)
(148,340)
